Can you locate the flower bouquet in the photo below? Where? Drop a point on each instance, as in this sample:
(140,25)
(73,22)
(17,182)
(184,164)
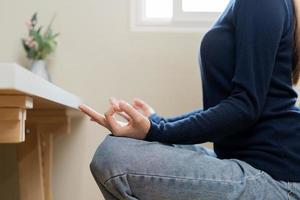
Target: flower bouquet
(39,44)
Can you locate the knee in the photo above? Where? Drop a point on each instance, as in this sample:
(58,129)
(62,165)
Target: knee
(108,158)
(101,160)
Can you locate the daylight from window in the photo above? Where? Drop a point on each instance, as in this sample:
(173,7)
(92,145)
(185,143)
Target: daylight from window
(159,8)
(175,15)
(163,9)
(204,5)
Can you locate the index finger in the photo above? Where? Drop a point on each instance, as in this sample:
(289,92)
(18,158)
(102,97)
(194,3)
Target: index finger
(91,112)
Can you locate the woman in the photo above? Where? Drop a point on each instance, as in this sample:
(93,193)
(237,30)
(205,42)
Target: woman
(249,61)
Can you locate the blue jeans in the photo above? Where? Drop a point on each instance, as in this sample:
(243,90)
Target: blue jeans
(126,168)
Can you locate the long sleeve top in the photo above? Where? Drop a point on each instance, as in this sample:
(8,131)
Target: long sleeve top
(246,61)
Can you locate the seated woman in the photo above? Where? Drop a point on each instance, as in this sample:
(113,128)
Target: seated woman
(249,61)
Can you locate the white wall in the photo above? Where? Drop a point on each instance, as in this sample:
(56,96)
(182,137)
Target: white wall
(98,57)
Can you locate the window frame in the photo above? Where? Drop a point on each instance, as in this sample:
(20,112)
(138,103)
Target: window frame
(181,21)
(180,15)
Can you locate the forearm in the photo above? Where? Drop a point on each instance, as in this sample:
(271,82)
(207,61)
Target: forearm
(207,126)
(156,118)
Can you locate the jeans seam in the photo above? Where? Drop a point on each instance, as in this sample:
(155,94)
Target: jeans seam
(99,183)
(290,189)
(246,178)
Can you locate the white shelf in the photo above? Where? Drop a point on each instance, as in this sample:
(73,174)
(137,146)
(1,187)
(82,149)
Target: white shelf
(15,79)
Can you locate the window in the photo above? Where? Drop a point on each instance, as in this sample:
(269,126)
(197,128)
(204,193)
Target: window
(175,15)
(158,9)
(203,5)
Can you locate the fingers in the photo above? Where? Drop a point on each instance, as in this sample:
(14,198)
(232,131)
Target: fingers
(115,102)
(115,127)
(101,121)
(138,103)
(97,117)
(129,110)
(89,111)
(124,115)
(132,115)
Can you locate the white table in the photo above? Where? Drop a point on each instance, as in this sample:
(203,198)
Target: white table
(32,111)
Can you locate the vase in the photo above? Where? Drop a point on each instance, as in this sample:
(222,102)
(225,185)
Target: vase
(39,68)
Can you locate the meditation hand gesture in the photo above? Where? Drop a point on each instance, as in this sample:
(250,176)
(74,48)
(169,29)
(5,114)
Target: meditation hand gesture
(137,125)
(138,104)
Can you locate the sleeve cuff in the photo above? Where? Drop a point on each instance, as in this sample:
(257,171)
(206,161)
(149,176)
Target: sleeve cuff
(152,133)
(155,118)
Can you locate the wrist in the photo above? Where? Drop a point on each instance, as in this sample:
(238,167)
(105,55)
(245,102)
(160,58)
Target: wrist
(146,128)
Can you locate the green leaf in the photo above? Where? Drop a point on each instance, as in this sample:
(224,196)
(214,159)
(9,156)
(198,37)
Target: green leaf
(48,32)
(39,30)
(37,37)
(55,35)
(32,32)
(32,54)
(50,24)
(25,46)
(34,17)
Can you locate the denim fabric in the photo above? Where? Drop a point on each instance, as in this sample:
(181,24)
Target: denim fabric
(126,168)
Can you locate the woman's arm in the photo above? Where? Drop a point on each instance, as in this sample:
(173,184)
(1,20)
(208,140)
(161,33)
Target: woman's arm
(156,118)
(259,27)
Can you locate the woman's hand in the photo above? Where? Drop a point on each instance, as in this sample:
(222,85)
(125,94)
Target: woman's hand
(138,104)
(146,109)
(95,116)
(137,127)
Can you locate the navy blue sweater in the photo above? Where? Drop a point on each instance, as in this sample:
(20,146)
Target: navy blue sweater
(249,104)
